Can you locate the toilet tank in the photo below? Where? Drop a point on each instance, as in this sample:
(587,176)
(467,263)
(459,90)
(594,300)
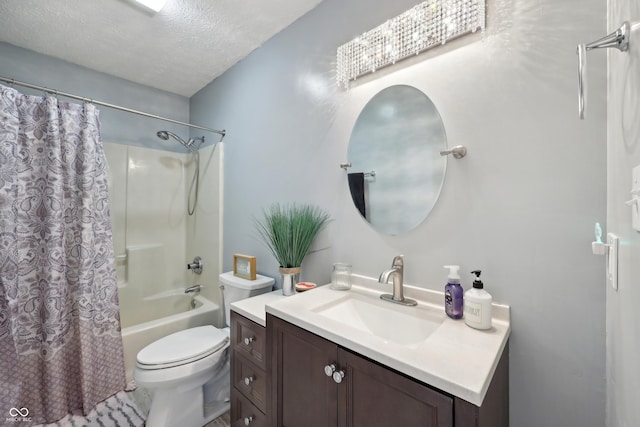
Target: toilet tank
(236,288)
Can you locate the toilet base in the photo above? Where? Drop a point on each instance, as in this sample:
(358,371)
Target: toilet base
(187,406)
(215,409)
(185,409)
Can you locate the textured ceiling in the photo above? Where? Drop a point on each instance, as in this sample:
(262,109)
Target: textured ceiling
(180,49)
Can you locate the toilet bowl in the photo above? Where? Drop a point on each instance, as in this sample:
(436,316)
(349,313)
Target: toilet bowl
(188,371)
(176,368)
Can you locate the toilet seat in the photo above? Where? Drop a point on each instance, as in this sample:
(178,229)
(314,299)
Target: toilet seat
(183,347)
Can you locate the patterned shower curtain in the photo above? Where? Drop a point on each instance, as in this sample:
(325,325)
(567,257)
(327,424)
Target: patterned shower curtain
(60,343)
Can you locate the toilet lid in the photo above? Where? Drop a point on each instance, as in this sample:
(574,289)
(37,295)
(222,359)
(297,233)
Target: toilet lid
(183,346)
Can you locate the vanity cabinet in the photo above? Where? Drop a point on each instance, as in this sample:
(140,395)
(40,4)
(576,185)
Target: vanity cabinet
(316,383)
(249,373)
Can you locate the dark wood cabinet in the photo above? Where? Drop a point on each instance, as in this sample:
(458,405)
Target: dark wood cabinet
(316,383)
(244,413)
(372,395)
(250,379)
(249,340)
(302,394)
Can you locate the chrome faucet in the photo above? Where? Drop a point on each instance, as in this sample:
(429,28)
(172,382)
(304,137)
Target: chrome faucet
(397,273)
(192,289)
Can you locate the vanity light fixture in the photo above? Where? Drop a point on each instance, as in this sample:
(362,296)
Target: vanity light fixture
(422,27)
(155,5)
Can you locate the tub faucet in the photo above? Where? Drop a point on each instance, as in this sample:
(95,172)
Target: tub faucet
(196,265)
(192,289)
(396,272)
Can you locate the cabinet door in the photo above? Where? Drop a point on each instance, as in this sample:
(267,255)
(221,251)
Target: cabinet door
(304,395)
(371,395)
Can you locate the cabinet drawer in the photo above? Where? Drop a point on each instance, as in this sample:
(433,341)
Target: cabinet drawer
(249,339)
(251,381)
(243,413)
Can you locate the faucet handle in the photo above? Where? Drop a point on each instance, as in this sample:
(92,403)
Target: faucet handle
(398,261)
(196,265)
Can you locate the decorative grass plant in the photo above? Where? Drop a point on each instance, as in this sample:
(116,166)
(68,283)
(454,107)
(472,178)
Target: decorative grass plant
(288,231)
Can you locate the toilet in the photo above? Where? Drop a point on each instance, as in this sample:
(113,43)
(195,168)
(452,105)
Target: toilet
(188,371)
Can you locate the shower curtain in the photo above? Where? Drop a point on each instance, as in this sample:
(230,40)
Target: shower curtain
(60,343)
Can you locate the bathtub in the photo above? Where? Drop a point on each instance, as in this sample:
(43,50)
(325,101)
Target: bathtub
(160,315)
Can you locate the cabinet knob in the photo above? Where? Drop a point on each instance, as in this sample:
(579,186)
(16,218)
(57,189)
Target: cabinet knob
(338,376)
(249,340)
(329,370)
(248,380)
(248,420)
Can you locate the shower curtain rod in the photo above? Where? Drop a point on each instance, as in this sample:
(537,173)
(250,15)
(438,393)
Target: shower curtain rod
(106,104)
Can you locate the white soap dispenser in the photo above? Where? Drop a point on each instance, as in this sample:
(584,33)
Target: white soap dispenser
(477,305)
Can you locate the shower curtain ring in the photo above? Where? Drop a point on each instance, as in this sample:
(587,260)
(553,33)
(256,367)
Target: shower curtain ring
(87,101)
(51,92)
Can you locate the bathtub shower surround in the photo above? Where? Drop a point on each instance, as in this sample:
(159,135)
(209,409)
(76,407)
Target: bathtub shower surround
(151,229)
(60,344)
(148,208)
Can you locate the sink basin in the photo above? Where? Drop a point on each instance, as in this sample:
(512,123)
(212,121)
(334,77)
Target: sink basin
(407,326)
(416,341)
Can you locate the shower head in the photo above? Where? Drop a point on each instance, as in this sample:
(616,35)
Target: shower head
(165,134)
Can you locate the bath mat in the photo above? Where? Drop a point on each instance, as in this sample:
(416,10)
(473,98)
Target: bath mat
(116,411)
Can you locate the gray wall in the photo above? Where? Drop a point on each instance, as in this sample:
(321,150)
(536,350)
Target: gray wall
(116,126)
(521,206)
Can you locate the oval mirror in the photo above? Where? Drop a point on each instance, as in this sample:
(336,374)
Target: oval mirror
(397,171)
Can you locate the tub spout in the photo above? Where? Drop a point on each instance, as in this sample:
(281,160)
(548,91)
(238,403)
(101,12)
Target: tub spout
(192,289)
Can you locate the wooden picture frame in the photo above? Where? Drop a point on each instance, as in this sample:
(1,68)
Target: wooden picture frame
(244,266)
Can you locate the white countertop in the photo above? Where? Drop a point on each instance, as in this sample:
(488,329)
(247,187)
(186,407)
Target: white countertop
(455,358)
(254,308)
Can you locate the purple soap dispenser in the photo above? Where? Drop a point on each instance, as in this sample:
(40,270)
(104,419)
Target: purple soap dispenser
(453,293)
